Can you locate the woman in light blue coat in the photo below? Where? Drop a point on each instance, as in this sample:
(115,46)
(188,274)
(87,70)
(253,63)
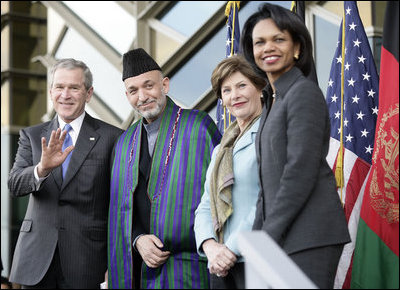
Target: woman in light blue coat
(228,204)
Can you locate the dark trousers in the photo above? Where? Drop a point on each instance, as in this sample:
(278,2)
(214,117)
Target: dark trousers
(54,278)
(136,269)
(234,279)
(319,264)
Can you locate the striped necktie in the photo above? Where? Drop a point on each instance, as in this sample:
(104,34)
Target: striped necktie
(67,143)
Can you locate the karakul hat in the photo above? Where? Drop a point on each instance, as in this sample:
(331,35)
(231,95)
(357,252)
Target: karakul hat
(137,62)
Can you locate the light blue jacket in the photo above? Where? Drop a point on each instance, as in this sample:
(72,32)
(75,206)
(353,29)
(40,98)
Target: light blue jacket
(244,195)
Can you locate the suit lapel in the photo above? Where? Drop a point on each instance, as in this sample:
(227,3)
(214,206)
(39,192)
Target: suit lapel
(87,138)
(264,115)
(247,139)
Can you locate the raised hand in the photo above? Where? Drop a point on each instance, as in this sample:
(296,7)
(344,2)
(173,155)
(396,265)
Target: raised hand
(52,154)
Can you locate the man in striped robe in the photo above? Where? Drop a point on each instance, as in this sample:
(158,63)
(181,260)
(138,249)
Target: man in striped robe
(158,174)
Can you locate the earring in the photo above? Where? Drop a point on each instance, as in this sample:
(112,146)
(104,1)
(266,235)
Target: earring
(296,56)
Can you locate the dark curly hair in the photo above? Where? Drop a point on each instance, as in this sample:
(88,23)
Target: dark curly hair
(284,20)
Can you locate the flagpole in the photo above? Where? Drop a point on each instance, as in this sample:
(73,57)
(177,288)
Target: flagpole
(233,29)
(339,163)
(234,3)
(230,8)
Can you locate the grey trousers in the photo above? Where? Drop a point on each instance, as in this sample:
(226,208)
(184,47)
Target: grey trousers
(319,264)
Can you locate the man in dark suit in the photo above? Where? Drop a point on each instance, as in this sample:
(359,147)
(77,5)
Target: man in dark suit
(63,238)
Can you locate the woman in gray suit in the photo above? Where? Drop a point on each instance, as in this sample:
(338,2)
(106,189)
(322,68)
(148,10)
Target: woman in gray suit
(298,205)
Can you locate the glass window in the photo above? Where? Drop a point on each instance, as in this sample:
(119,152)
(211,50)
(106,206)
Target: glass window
(194,13)
(163,46)
(54,28)
(325,41)
(213,113)
(109,20)
(107,80)
(193,79)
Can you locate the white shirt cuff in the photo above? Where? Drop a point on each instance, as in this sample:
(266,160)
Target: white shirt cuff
(38,180)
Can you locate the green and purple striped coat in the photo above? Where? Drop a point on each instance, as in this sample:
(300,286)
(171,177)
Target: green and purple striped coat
(181,156)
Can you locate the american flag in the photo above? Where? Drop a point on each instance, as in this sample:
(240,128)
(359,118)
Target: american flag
(224,118)
(353,109)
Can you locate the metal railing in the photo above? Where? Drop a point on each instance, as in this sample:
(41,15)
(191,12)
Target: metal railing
(268,266)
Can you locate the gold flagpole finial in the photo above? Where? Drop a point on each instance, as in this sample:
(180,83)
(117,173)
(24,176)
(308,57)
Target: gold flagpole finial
(293,7)
(229,7)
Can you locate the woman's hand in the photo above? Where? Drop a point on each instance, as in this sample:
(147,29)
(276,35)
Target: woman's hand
(220,258)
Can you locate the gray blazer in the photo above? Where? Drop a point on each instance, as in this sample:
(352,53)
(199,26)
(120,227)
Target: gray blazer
(298,205)
(72,213)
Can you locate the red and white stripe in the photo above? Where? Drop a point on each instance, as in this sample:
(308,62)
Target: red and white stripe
(355,172)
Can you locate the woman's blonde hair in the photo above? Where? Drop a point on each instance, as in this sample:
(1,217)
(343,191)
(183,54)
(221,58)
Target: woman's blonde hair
(229,66)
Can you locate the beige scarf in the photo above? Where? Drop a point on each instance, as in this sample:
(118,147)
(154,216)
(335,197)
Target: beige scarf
(222,178)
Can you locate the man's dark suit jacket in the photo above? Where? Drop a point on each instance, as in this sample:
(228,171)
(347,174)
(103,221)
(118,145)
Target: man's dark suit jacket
(71,213)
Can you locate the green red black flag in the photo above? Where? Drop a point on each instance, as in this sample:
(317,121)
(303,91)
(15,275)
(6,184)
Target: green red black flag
(376,256)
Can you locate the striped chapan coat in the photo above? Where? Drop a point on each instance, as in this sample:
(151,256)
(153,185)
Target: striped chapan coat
(183,150)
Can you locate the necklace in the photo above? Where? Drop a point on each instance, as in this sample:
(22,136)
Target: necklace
(178,115)
(167,158)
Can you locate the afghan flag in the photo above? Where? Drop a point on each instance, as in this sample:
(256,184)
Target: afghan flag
(376,256)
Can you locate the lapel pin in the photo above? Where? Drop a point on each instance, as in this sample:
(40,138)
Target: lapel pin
(91,138)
